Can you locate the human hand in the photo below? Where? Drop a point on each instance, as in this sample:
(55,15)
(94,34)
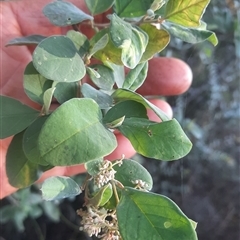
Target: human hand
(166,76)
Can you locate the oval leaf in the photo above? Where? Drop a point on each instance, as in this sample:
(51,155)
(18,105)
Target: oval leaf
(102,99)
(15,116)
(74,134)
(130,171)
(158,40)
(62,13)
(80,41)
(165,141)
(20,171)
(35,84)
(57,58)
(133,8)
(102,76)
(102,196)
(118,74)
(92,167)
(66,91)
(126,109)
(98,6)
(55,188)
(191,35)
(30,141)
(124,94)
(120,32)
(136,77)
(109,53)
(47,98)
(132,53)
(187,13)
(100,44)
(28,40)
(152,215)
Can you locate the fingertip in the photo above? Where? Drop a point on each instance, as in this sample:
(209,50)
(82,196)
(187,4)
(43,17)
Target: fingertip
(167,76)
(163,105)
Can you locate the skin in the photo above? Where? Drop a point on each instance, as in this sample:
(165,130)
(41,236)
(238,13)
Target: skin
(167,76)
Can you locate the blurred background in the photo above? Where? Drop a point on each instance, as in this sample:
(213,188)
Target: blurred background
(206,183)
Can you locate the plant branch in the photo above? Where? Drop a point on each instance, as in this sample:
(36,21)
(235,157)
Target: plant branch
(115,191)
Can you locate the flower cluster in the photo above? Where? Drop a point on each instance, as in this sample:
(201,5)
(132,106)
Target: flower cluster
(105,174)
(140,184)
(99,222)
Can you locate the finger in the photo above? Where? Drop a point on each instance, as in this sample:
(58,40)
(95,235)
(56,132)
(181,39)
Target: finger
(163,105)
(5,188)
(124,148)
(166,76)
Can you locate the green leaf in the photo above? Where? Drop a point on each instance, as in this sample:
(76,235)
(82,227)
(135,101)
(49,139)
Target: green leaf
(165,141)
(127,109)
(74,134)
(112,202)
(158,40)
(143,214)
(92,167)
(15,214)
(35,84)
(98,6)
(30,141)
(191,35)
(57,58)
(160,12)
(102,99)
(194,224)
(124,94)
(62,13)
(51,210)
(130,171)
(132,54)
(120,32)
(106,194)
(80,41)
(102,76)
(7,212)
(115,123)
(55,188)
(118,74)
(15,116)
(92,73)
(28,40)
(100,44)
(109,53)
(187,13)
(20,171)
(47,98)
(65,91)
(213,38)
(136,77)
(157,4)
(102,196)
(132,8)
